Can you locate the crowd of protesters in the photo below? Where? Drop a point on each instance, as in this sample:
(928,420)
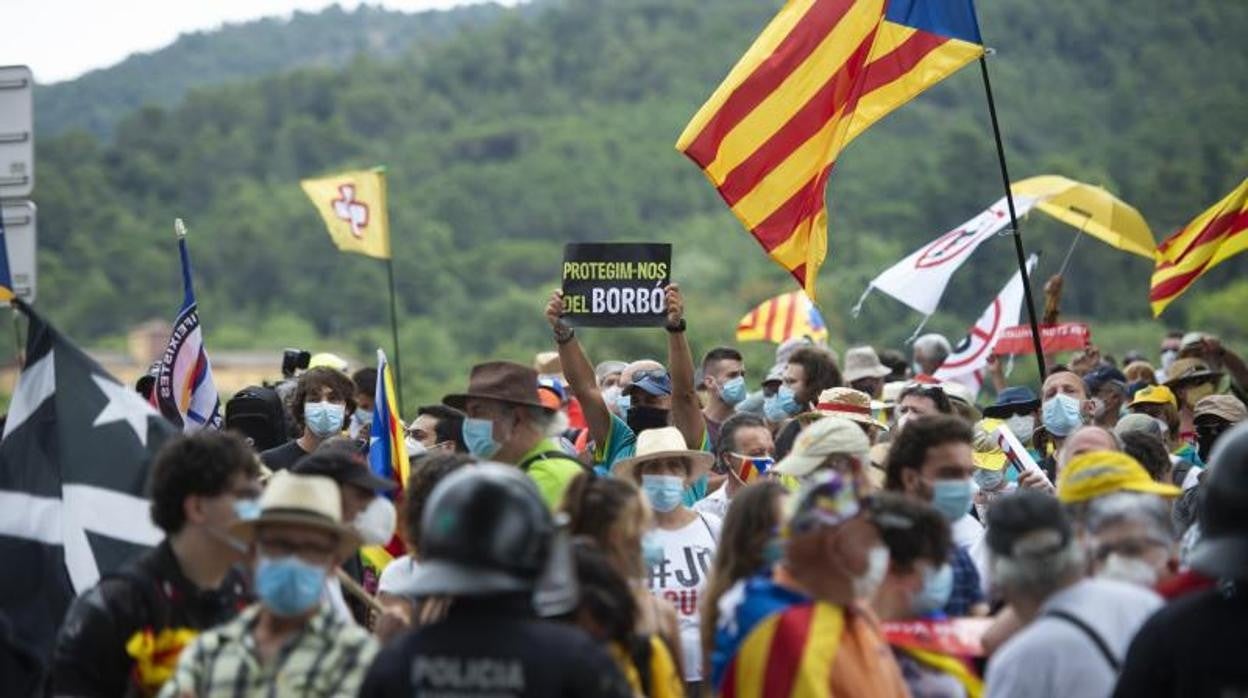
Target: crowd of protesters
(817,527)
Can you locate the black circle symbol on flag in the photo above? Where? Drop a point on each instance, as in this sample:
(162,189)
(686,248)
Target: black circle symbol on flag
(976,342)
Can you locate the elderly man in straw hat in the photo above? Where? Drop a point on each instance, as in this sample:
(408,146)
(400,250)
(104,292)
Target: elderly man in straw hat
(682,546)
(290,642)
(507,422)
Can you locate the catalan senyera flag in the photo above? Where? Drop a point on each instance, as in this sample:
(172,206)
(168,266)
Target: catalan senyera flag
(781,318)
(1207,241)
(185,392)
(820,74)
(353,205)
(387,452)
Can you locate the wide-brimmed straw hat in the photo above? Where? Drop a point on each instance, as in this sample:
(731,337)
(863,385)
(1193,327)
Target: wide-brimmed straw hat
(304,500)
(665,442)
(851,404)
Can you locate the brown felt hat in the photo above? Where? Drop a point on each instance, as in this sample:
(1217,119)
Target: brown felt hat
(503,381)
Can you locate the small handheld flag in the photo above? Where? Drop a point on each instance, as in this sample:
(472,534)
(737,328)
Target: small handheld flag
(387,452)
(781,318)
(185,392)
(1210,239)
(353,206)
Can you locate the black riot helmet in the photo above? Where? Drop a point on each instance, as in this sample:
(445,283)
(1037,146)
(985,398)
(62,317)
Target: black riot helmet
(487,531)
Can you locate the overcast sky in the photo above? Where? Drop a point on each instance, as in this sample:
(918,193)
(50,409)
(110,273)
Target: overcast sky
(62,39)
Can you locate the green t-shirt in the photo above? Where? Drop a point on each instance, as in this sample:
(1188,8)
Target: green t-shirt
(551,473)
(621,444)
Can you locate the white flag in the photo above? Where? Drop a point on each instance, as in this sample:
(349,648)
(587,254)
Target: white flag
(920,279)
(966,364)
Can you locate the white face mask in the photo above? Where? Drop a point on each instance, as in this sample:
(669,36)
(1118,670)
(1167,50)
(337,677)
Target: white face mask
(415,448)
(1022,426)
(866,585)
(1131,570)
(376,523)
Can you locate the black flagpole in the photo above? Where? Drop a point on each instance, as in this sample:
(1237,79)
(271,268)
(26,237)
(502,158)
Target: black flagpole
(1018,238)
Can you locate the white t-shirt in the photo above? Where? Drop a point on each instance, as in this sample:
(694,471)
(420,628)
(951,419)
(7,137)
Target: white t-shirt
(1053,657)
(397,576)
(681,578)
(715,503)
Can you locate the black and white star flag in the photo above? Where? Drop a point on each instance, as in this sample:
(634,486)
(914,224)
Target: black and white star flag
(73,471)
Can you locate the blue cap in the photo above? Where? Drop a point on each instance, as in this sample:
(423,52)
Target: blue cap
(1013,400)
(654,381)
(1095,379)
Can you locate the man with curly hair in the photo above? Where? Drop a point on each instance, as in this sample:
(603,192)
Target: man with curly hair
(199,486)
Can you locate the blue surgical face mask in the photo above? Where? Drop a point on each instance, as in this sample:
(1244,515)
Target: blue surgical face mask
(952,498)
(664,491)
(989,480)
(937,588)
(773,551)
(289,586)
(782,406)
(324,419)
(651,550)
(623,403)
(732,392)
(361,416)
(479,437)
(247,509)
(1062,415)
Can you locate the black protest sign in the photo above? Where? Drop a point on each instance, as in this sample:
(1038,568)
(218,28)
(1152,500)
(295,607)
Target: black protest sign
(616,284)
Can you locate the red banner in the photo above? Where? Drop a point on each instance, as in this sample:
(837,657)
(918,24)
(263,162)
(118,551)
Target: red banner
(1068,336)
(959,637)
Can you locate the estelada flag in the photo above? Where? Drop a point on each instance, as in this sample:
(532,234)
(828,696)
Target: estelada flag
(820,74)
(1211,238)
(353,205)
(387,451)
(781,318)
(6,279)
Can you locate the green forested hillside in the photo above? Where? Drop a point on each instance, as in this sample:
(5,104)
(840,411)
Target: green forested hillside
(98,100)
(525,132)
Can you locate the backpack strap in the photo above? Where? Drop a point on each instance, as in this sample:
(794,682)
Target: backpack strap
(641,656)
(552,455)
(1092,635)
(710,531)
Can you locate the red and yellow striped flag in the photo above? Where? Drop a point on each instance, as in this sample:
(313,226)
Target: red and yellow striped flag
(819,75)
(1211,238)
(781,318)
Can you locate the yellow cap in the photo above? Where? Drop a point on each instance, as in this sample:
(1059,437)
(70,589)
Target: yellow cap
(1155,395)
(1098,473)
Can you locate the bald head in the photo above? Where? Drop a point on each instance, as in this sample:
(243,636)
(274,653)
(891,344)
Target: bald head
(1085,440)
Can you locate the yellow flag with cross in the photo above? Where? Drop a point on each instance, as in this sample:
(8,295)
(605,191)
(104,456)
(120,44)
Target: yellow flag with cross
(353,205)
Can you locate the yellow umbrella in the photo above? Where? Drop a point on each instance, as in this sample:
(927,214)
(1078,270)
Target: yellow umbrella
(1092,210)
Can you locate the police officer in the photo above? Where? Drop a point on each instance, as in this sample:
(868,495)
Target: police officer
(489,544)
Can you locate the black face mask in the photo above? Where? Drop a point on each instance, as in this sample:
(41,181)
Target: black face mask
(641,418)
(1206,436)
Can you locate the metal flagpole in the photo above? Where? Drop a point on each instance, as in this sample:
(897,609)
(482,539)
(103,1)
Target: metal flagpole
(394,330)
(1018,238)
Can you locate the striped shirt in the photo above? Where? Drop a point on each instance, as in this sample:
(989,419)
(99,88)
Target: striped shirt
(327,658)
